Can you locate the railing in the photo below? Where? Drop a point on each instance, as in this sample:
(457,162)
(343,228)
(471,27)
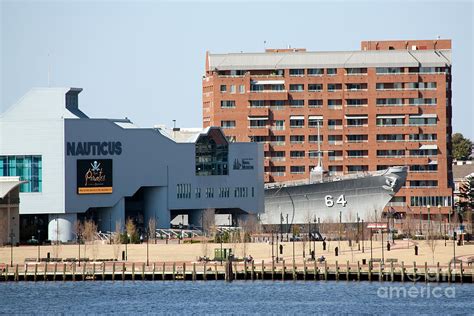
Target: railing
(296,142)
(335,142)
(296,126)
(277,107)
(277,174)
(315,90)
(277,158)
(355,90)
(277,128)
(334,126)
(258,127)
(266,76)
(348,157)
(297,172)
(335,107)
(335,158)
(357,141)
(277,143)
(267,91)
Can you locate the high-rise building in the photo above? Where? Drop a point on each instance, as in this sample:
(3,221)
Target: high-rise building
(387,104)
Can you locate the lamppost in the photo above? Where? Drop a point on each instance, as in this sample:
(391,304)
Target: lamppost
(440,219)
(126,247)
(12,235)
(314,239)
(281,227)
(309,235)
(429,220)
(182,225)
(358,232)
(273,255)
(79,247)
(220,239)
(39,244)
(421,229)
(147,232)
(293,234)
(363,238)
(339,239)
(287,227)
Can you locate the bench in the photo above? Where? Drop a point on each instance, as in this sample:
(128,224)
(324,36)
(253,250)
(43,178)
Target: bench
(30,260)
(394,260)
(375,260)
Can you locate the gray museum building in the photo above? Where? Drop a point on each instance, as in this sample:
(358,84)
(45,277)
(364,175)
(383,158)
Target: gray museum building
(109,170)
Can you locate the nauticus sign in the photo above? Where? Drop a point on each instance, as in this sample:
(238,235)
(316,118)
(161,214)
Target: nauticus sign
(94,148)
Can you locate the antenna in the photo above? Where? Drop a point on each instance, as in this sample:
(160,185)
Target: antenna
(264,45)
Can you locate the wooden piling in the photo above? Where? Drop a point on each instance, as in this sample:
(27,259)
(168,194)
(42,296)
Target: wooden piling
(263,270)
(236,272)
(461,272)
(273,270)
(294,271)
(16,273)
(304,270)
(64,272)
(215,271)
(25,273)
(36,272)
(93,271)
(403,272)
(154,271)
(449,272)
(369,274)
(380,272)
(392,275)
(426,272)
(133,271)
(174,271)
(414,271)
(184,271)
(103,271)
(45,271)
(194,271)
(325,271)
(437,272)
(283,270)
(252,265)
(358,271)
(74,271)
(245,270)
(348,269)
(84,271)
(163,271)
(123,271)
(204,276)
(315,270)
(55,271)
(113,271)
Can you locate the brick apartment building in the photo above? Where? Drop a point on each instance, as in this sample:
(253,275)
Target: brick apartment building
(387,104)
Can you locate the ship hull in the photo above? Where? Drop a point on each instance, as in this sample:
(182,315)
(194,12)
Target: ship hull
(362,197)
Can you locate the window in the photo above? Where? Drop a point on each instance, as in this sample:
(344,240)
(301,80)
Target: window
(224,192)
(228,124)
(390,137)
(314,138)
(277,104)
(389,86)
(241,89)
(391,153)
(296,87)
(258,122)
(315,103)
(388,70)
(227,104)
(356,102)
(357,122)
(231,139)
(278,87)
(333,87)
(420,121)
(277,140)
(297,154)
(422,101)
(197,193)
(212,151)
(357,168)
(183,191)
(423,168)
(431,70)
(296,122)
(423,183)
(315,72)
(296,72)
(258,139)
(256,87)
(357,153)
(241,192)
(297,169)
(297,139)
(296,103)
(425,137)
(223,88)
(335,124)
(331,71)
(423,152)
(335,139)
(315,87)
(357,138)
(356,71)
(387,121)
(209,193)
(434,201)
(232,89)
(314,120)
(390,102)
(279,124)
(356,86)
(334,103)
(257,103)
(28,168)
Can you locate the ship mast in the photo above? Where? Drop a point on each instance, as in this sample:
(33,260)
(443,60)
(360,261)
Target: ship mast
(318,171)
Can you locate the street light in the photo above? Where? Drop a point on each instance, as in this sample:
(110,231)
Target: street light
(440,219)
(39,244)
(147,232)
(429,220)
(220,239)
(79,246)
(12,235)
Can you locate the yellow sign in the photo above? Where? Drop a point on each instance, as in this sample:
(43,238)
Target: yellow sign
(97,190)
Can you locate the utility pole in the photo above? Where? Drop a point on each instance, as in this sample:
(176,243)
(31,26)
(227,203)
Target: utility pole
(287,228)
(340,223)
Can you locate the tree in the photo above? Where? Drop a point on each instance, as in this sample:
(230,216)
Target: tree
(90,235)
(466,198)
(462,147)
(116,239)
(152,229)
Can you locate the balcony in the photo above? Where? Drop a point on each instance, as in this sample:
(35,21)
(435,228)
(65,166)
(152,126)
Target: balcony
(277,158)
(277,174)
(408,109)
(258,111)
(268,95)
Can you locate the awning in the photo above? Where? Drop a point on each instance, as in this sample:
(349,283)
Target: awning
(356,117)
(297,117)
(315,117)
(424,116)
(423,147)
(258,118)
(263,82)
(390,116)
(7,184)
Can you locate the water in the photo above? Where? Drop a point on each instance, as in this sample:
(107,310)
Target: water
(240,297)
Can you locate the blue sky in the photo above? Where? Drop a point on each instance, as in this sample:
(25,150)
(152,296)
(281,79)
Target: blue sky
(145,59)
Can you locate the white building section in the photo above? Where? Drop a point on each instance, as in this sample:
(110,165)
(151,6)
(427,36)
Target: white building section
(110,170)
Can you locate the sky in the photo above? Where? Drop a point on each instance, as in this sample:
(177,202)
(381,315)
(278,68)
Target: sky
(145,59)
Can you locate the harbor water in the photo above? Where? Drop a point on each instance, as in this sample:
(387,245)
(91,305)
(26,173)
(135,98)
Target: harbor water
(240,297)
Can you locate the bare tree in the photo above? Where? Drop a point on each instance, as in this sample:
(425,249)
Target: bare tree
(152,229)
(131,229)
(432,243)
(90,236)
(117,241)
(208,221)
(3,228)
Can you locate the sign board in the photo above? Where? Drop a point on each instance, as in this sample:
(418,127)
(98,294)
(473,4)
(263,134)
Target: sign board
(377,225)
(94,176)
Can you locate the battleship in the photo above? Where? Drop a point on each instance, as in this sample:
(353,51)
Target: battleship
(326,198)
(323,197)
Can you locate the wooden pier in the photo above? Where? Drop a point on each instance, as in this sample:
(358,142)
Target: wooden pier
(281,271)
